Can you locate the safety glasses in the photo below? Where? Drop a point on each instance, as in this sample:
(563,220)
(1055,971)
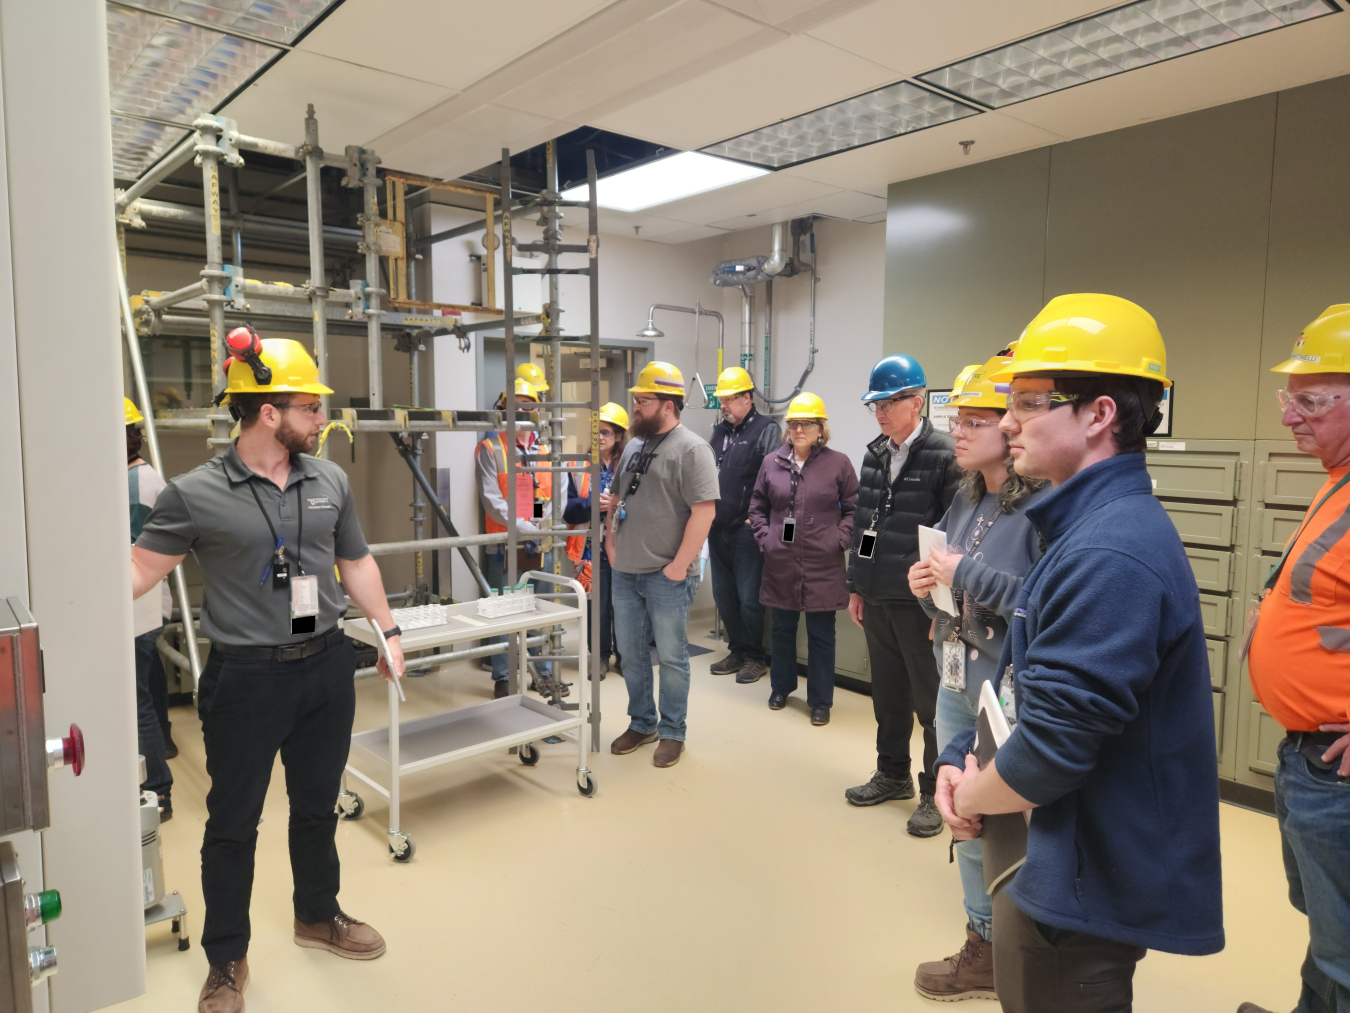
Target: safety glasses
(955,424)
(313,407)
(1026,404)
(1304,403)
(800,425)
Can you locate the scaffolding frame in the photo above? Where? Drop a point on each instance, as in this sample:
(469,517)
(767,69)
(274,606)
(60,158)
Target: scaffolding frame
(223,290)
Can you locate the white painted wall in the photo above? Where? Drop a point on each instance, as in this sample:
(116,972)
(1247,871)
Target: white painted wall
(74,481)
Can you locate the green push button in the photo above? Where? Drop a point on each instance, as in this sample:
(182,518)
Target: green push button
(49,903)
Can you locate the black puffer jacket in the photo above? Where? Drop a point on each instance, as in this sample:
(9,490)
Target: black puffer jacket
(922,493)
(740,450)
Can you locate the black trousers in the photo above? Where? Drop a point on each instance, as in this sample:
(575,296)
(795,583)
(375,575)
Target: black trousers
(149,733)
(250,709)
(905,684)
(1040,969)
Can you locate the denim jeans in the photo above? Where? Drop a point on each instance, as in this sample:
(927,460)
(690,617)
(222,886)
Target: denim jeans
(496,576)
(149,737)
(737,567)
(956,713)
(819,655)
(1313,809)
(653,603)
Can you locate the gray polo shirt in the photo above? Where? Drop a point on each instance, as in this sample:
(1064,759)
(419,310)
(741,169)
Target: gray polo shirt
(211,513)
(682,472)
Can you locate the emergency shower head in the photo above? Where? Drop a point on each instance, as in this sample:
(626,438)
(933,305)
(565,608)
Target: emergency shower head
(651,330)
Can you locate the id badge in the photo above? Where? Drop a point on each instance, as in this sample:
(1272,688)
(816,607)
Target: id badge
(789,529)
(1007,696)
(304,604)
(954,665)
(867,544)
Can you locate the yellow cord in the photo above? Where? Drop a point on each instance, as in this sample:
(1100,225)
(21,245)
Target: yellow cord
(329,428)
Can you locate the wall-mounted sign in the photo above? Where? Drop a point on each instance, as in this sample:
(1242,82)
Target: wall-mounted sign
(940,409)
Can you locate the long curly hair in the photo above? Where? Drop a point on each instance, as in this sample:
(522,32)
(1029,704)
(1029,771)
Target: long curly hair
(1015,491)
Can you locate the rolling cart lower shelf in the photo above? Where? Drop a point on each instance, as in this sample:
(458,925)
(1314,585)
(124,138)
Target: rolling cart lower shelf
(408,747)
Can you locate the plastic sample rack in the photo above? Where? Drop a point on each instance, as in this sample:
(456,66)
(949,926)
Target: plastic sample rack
(409,747)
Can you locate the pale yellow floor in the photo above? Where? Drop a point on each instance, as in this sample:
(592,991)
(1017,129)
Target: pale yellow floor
(737,880)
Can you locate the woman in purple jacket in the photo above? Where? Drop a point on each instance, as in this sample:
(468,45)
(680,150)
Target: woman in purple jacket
(802,515)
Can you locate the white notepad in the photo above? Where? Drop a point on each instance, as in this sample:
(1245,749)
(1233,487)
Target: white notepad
(942,594)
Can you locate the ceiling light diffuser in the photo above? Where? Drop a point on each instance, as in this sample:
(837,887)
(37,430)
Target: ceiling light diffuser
(1114,42)
(665,180)
(897,109)
(170,69)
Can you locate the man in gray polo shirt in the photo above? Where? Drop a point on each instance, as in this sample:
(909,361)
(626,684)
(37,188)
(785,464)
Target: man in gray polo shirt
(661,505)
(267,524)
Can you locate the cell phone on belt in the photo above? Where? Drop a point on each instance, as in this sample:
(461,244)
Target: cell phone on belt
(868,544)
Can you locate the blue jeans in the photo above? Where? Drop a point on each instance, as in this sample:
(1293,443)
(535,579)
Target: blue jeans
(149,737)
(737,567)
(819,655)
(653,603)
(496,576)
(1313,808)
(957,713)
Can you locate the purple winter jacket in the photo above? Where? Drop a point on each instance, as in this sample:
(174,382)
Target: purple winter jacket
(808,574)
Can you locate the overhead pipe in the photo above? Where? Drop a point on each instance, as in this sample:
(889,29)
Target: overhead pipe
(779,260)
(652,331)
(811,331)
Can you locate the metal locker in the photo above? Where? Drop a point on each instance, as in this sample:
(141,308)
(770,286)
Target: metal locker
(1277,527)
(1285,477)
(1218,661)
(1214,614)
(1193,476)
(1218,720)
(1203,523)
(1213,568)
(1265,737)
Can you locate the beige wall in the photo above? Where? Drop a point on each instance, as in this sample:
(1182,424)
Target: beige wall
(1230,225)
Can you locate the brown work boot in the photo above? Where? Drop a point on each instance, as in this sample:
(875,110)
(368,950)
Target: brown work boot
(729,665)
(966,974)
(224,988)
(342,934)
(667,753)
(629,741)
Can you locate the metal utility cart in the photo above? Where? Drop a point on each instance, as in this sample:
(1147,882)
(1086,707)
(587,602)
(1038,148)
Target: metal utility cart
(516,720)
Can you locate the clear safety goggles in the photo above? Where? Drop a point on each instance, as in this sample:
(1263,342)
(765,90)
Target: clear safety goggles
(956,424)
(1026,404)
(1304,403)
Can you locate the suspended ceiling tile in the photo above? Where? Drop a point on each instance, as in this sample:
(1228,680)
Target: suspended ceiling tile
(845,204)
(352,104)
(872,219)
(759,194)
(450,44)
(871,169)
(622,223)
(688,235)
(455,137)
(1285,58)
(912,36)
(748,93)
(674,41)
(793,15)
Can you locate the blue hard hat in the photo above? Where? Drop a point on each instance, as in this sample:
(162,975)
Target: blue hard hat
(894,374)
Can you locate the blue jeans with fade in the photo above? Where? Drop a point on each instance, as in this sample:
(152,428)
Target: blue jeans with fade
(956,713)
(652,603)
(737,568)
(496,576)
(1312,806)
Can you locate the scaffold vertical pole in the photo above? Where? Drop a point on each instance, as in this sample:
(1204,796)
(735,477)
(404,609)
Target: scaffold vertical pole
(552,216)
(318,277)
(593,264)
(516,661)
(370,222)
(209,131)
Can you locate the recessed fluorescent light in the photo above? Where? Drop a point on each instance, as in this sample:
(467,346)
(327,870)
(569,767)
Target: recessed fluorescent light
(169,66)
(899,108)
(1114,42)
(664,180)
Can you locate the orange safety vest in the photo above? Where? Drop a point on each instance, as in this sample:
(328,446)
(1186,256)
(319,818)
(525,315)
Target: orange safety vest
(576,544)
(530,488)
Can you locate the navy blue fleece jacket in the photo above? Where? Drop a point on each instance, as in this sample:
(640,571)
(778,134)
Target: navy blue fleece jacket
(1114,740)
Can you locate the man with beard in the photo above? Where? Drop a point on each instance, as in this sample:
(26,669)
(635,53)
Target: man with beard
(660,507)
(267,524)
(740,443)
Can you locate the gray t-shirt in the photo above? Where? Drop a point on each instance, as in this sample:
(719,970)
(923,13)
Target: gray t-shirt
(211,513)
(682,471)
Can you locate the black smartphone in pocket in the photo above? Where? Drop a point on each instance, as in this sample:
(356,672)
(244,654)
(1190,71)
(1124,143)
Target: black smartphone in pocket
(867,545)
(789,529)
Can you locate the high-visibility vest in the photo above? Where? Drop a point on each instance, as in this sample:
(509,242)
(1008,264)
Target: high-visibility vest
(530,488)
(576,544)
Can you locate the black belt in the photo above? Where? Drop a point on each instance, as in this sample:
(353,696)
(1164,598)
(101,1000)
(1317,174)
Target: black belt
(286,652)
(1313,744)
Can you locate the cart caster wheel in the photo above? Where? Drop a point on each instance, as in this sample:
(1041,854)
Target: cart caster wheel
(586,785)
(529,754)
(401,847)
(183,944)
(350,805)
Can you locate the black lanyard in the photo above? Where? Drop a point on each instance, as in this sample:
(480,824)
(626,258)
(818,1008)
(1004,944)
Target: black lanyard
(643,462)
(278,546)
(794,478)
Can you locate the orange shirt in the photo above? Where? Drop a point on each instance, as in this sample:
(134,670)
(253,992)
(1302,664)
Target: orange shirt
(1300,655)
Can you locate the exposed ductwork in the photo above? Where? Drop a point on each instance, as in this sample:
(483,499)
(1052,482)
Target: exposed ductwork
(779,263)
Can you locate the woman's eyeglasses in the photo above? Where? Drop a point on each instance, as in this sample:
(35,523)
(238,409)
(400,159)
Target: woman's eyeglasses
(800,425)
(956,424)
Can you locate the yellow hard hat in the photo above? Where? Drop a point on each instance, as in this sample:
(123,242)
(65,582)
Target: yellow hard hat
(659,378)
(614,415)
(293,371)
(530,371)
(805,406)
(133,416)
(1089,333)
(1324,345)
(732,381)
(975,389)
(523,389)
